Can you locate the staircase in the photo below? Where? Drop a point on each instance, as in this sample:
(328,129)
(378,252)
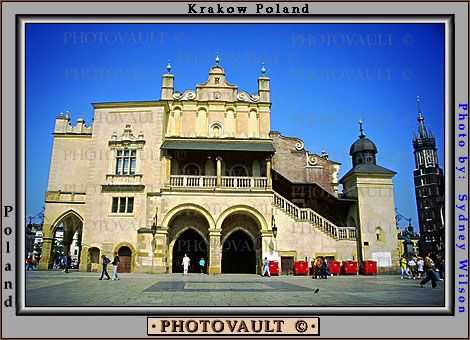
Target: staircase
(317,221)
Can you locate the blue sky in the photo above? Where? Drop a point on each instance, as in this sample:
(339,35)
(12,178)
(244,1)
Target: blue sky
(324,78)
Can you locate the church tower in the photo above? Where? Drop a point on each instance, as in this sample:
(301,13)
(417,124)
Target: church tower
(429,189)
(374,214)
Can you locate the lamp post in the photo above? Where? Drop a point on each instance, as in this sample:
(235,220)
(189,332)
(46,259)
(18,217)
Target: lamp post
(273,227)
(153,229)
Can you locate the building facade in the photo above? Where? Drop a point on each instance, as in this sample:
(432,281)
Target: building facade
(201,172)
(429,190)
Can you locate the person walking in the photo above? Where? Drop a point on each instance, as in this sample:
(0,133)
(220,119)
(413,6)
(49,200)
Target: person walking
(420,267)
(185,263)
(430,273)
(202,264)
(324,270)
(403,267)
(104,262)
(115,264)
(412,267)
(29,263)
(266,267)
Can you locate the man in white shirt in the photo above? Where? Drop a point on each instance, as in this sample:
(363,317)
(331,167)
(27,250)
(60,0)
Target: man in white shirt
(186,261)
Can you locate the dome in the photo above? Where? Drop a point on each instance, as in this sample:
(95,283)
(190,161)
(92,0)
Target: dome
(361,145)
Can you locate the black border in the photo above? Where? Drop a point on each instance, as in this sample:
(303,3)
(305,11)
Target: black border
(20,208)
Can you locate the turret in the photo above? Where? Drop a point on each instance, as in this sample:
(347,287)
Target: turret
(263,86)
(168,81)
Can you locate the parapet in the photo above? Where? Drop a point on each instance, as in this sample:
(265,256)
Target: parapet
(63,126)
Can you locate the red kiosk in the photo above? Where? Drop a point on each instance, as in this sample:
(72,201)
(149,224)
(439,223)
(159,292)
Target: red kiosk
(300,268)
(349,268)
(334,267)
(274,268)
(369,267)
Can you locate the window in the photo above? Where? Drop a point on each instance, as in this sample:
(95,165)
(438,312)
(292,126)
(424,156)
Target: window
(125,162)
(192,169)
(122,205)
(217,80)
(239,171)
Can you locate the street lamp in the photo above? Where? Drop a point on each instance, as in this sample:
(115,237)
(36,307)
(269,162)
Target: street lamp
(273,227)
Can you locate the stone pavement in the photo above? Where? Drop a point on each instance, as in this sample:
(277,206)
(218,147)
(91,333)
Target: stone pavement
(51,288)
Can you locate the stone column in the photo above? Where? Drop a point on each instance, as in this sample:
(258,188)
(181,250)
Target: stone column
(219,171)
(267,244)
(160,253)
(84,259)
(46,253)
(167,161)
(268,173)
(215,252)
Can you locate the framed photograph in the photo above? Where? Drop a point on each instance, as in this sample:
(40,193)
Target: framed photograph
(235,169)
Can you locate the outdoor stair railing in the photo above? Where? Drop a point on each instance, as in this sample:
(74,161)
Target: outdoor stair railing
(315,219)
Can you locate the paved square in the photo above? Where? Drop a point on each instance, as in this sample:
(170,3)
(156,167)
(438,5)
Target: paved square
(164,290)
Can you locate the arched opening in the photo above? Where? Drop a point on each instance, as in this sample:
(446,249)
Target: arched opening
(191,243)
(239,170)
(93,259)
(125,259)
(66,242)
(239,253)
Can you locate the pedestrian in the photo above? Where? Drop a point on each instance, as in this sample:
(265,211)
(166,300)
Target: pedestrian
(29,263)
(324,270)
(420,267)
(202,264)
(430,273)
(115,264)
(403,267)
(318,267)
(266,267)
(68,261)
(104,262)
(412,267)
(185,263)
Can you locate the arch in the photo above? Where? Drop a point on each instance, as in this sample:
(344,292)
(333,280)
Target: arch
(187,206)
(192,254)
(192,164)
(238,165)
(379,234)
(246,210)
(118,245)
(216,130)
(253,238)
(64,215)
(239,253)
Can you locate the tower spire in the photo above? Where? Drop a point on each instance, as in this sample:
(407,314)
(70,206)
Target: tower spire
(361,129)
(421,128)
(217,59)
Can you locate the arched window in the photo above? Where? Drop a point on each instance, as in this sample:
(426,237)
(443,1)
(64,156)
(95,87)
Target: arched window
(379,234)
(192,169)
(239,170)
(215,130)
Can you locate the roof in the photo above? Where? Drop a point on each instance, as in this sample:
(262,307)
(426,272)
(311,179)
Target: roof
(368,169)
(139,103)
(362,144)
(217,144)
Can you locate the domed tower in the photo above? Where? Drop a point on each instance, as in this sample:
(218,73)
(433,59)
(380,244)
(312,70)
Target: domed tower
(374,214)
(363,150)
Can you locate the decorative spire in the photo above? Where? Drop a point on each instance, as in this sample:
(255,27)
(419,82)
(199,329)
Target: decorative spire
(361,130)
(423,133)
(217,59)
(168,67)
(263,70)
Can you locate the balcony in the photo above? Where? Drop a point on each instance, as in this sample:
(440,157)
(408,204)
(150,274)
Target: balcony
(226,182)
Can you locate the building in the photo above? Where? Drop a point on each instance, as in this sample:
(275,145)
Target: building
(200,172)
(429,189)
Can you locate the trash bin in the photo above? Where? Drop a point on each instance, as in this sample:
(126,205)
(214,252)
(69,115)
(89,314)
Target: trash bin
(334,267)
(369,267)
(300,268)
(274,268)
(349,268)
